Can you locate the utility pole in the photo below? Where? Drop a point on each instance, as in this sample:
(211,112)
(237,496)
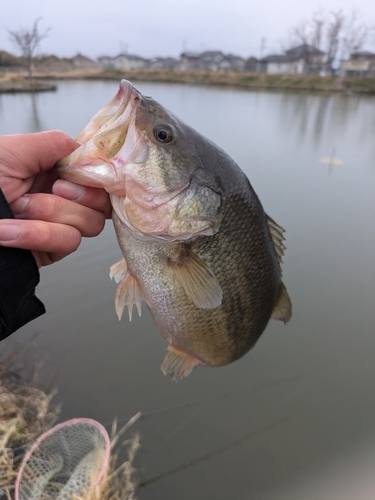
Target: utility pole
(262,47)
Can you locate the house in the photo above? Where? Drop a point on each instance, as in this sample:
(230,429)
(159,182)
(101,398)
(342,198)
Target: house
(128,62)
(232,63)
(123,62)
(211,60)
(163,63)
(311,56)
(359,64)
(106,62)
(252,64)
(190,61)
(302,60)
(82,62)
(278,64)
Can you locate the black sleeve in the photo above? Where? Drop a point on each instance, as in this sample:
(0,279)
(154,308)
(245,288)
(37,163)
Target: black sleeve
(19,276)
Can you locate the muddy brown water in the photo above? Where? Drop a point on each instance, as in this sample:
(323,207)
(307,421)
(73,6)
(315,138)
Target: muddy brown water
(295,417)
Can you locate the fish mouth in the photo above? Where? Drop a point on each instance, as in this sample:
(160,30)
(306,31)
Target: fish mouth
(107,143)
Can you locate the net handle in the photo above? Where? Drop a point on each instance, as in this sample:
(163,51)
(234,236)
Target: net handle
(52,431)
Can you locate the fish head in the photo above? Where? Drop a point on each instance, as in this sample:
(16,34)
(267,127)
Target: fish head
(147,160)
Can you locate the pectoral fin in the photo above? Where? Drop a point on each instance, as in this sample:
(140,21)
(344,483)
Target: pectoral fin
(118,270)
(128,293)
(197,280)
(178,364)
(283,309)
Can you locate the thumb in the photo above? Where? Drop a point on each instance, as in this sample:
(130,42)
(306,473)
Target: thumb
(38,152)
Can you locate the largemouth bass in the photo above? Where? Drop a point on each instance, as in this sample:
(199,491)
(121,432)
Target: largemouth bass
(198,247)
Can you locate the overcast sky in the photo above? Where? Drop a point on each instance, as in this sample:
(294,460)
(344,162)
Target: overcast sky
(165,27)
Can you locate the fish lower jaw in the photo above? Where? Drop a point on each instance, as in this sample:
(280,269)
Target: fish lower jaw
(87,175)
(147,225)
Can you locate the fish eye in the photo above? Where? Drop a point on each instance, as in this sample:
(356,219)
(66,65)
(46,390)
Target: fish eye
(164,133)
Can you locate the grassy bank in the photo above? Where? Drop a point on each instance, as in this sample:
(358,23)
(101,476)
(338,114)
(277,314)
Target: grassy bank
(12,83)
(239,80)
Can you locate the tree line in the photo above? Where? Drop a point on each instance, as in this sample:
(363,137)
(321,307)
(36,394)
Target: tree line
(336,33)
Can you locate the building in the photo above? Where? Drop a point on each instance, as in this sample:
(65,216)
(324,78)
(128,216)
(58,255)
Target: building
(302,60)
(128,62)
(233,63)
(310,55)
(190,61)
(252,64)
(105,62)
(279,64)
(359,64)
(163,63)
(211,60)
(82,62)
(123,62)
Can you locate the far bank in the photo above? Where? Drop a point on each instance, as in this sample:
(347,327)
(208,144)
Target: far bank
(245,80)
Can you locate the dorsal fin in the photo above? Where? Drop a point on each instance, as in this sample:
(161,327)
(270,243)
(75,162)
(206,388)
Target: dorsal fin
(198,280)
(277,234)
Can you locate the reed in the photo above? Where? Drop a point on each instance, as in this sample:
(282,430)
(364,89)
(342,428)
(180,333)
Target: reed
(27,410)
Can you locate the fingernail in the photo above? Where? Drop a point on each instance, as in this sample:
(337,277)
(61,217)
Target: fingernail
(18,206)
(8,232)
(68,190)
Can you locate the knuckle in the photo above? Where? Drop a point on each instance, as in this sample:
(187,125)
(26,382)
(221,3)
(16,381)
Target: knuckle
(45,235)
(95,225)
(70,241)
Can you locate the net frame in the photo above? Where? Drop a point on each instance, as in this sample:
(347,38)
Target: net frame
(56,428)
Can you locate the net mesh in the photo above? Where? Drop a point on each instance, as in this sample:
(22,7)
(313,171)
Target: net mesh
(69,459)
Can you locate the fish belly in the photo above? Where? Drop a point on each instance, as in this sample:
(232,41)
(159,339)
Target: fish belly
(247,272)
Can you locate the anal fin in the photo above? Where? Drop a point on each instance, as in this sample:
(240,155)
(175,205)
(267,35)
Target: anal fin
(178,363)
(128,294)
(197,279)
(283,308)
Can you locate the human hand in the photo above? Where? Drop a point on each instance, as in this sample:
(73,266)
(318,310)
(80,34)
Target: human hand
(52,214)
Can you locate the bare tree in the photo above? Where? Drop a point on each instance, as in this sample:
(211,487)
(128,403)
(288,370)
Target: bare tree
(318,24)
(27,42)
(307,32)
(334,29)
(355,35)
(335,33)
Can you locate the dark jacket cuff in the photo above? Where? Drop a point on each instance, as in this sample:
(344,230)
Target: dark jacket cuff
(19,276)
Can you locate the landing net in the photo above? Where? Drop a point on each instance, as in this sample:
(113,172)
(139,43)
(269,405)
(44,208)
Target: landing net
(69,459)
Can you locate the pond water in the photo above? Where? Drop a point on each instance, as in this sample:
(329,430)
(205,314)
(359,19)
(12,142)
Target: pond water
(295,417)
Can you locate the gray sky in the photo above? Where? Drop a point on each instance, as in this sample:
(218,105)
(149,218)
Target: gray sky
(165,27)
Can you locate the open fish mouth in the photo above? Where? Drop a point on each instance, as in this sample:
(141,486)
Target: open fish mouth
(109,142)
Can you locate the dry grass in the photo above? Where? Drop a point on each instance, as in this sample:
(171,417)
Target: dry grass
(27,411)
(245,80)
(119,482)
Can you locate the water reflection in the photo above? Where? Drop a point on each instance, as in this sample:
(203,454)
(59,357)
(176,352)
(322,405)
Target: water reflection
(265,440)
(314,117)
(35,122)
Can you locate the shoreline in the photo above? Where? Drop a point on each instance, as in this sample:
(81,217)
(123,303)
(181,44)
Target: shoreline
(15,85)
(13,82)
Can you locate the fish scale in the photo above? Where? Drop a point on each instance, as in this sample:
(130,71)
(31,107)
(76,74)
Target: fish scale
(198,247)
